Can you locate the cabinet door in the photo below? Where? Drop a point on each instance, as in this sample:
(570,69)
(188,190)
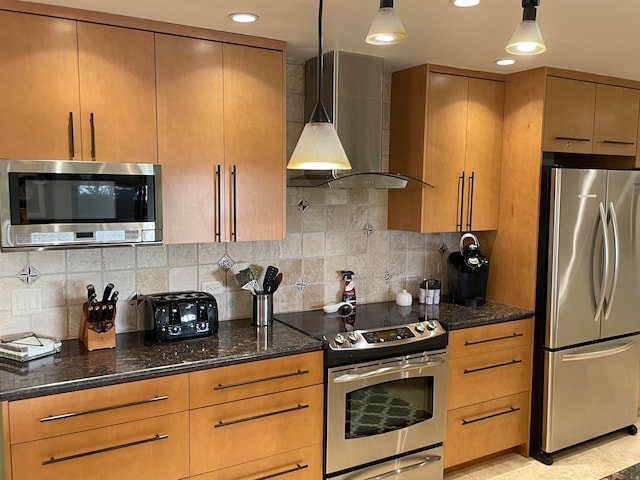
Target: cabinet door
(117,90)
(446,139)
(483,154)
(616,120)
(568,117)
(39,106)
(254,143)
(190,136)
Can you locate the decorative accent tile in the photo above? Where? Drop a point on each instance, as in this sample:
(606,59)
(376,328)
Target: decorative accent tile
(442,249)
(367,229)
(28,275)
(386,276)
(301,284)
(302,204)
(226,262)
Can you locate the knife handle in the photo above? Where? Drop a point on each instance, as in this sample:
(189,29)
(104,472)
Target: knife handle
(107,292)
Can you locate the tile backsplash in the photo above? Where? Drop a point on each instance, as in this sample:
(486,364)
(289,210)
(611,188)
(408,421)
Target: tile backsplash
(328,230)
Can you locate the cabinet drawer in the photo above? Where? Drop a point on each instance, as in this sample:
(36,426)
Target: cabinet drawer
(301,464)
(234,433)
(471,341)
(154,448)
(491,375)
(226,384)
(485,428)
(43,417)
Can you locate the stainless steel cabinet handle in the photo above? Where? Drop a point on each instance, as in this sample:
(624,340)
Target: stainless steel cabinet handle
(258,380)
(105,409)
(350,377)
(93,136)
(599,354)
(297,468)
(575,139)
(262,415)
(495,339)
(493,415)
(472,181)
(218,205)
(617,142)
(397,471)
(461,200)
(72,148)
(234,236)
(489,367)
(605,263)
(616,258)
(103,450)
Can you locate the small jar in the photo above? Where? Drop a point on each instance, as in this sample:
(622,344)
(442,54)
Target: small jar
(404,299)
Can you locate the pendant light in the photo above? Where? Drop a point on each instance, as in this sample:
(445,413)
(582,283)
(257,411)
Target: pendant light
(386,28)
(319,146)
(527,39)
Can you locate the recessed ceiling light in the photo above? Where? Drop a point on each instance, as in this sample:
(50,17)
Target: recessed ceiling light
(505,61)
(243,17)
(465,3)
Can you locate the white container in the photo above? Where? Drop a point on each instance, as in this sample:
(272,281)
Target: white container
(404,299)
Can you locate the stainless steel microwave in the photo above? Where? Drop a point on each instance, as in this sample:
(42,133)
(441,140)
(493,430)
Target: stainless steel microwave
(47,204)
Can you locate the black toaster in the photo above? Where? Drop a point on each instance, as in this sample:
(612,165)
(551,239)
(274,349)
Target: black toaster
(180,315)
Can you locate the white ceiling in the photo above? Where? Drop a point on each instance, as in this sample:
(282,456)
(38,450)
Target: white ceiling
(597,36)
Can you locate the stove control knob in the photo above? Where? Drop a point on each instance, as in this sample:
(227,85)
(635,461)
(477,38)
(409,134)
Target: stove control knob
(353,337)
(431,325)
(420,328)
(339,339)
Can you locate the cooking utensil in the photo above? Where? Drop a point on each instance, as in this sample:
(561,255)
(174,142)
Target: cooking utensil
(276,283)
(268,284)
(91,292)
(247,281)
(107,292)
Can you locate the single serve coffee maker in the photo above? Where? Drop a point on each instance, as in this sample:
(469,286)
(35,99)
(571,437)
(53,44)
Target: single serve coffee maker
(468,273)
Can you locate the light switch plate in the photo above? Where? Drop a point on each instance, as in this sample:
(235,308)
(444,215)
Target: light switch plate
(26,301)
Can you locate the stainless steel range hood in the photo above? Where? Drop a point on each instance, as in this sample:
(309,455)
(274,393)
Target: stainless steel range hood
(352,96)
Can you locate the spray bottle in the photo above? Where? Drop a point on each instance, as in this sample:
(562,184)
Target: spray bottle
(349,293)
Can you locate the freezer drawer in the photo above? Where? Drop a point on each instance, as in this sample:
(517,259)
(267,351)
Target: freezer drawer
(589,391)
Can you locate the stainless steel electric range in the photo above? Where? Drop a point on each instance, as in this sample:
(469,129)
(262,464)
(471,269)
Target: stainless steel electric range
(386,384)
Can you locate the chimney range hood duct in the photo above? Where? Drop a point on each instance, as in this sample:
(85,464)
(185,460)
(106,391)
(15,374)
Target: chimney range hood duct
(352,95)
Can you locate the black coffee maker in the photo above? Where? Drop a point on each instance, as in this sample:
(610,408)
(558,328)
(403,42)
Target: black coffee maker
(468,274)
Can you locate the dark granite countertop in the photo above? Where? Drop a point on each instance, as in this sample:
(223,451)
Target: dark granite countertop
(456,317)
(134,358)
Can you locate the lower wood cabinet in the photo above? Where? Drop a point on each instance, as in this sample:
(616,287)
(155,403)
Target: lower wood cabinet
(488,390)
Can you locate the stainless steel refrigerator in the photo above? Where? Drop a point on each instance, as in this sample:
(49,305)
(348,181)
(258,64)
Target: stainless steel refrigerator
(587,342)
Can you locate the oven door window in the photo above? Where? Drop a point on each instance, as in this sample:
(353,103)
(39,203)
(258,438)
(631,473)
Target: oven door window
(385,407)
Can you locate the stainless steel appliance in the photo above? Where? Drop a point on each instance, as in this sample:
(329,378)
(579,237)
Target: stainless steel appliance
(65,204)
(468,273)
(587,347)
(386,391)
(180,315)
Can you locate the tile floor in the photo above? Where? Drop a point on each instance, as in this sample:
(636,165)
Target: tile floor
(589,461)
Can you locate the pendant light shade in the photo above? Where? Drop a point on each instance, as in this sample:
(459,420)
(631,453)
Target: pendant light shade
(527,39)
(319,146)
(386,28)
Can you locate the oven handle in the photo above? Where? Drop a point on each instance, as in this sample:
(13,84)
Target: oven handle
(397,471)
(350,377)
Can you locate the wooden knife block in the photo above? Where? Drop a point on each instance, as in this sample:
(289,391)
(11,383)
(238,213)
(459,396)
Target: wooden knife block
(93,340)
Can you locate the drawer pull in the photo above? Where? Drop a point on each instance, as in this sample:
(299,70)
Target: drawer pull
(575,139)
(487,417)
(256,417)
(103,450)
(258,380)
(617,142)
(397,471)
(495,339)
(497,365)
(105,409)
(297,468)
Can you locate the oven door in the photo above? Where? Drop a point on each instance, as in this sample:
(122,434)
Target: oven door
(377,410)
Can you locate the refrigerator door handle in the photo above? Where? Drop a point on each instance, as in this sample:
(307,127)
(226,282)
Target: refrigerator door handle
(605,242)
(616,258)
(599,354)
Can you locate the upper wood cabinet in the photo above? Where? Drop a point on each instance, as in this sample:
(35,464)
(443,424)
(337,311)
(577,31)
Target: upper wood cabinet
(587,117)
(446,129)
(75,90)
(220,140)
